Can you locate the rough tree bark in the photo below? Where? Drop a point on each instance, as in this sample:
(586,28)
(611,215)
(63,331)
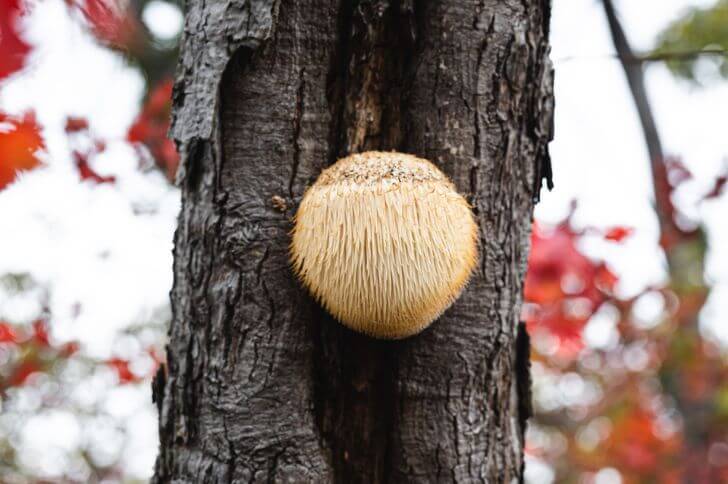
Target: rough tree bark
(262,385)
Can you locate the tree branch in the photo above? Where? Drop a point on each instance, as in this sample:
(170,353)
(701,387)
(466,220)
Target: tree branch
(635,78)
(681,55)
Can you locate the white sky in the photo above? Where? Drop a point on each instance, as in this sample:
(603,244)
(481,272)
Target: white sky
(89,246)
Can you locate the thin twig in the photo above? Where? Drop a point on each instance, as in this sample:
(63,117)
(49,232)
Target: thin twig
(685,55)
(681,55)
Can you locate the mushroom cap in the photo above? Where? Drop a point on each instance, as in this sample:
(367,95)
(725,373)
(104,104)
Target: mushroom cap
(384,242)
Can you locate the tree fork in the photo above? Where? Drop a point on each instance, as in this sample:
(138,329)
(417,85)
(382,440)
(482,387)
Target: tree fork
(262,385)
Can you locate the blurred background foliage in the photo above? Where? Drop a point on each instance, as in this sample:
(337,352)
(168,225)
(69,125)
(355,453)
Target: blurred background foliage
(50,390)
(120,26)
(647,404)
(699,30)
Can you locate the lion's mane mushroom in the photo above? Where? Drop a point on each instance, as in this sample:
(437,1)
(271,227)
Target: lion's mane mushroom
(384,242)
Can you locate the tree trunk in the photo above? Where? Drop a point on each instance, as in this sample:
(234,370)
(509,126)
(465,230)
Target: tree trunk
(263,385)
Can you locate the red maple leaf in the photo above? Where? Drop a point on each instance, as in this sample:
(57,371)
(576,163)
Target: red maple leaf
(79,127)
(20,374)
(75,125)
(123,372)
(40,333)
(718,187)
(563,287)
(151,126)
(87,173)
(13,48)
(111,21)
(20,140)
(604,279)
(566,327)
(7,333)
(634,444)
(556,268)
(618,234)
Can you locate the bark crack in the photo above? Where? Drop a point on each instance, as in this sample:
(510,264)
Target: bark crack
(297,119)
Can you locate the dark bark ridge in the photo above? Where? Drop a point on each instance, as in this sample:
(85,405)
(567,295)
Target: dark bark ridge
(262,385)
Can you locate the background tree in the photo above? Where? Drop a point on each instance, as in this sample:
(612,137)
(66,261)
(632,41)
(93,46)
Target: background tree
(652,407)
(261,383)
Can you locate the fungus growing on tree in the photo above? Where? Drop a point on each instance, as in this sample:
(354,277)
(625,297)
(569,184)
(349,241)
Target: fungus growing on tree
(384,242)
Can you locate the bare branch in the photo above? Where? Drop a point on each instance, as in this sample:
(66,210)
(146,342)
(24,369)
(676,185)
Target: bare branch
(685,55)
(632,67)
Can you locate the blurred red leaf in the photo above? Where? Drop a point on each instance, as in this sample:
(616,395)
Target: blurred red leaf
(111,21)
(566,327)
(20,139)
(74,125)
(605,279)
(718,187)
(158,359)
(123,372)
(36,353)
(160,98)
(21,373)
(14,49)
(618,234)
(563,287)
(7,333)
(87,173)
(634,445)
(151,127)
(637,457)
(69,349)
(556,268)
(40,333)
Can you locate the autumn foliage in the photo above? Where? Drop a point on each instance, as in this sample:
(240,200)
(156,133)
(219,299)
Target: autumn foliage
(20,144)
(111,22)
(652,402)
(20,136)
(150,129)
(13,47)
(32,352)
(35,366)
(564,287)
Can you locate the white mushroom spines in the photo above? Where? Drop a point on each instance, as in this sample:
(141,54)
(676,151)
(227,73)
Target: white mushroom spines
(384,242)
